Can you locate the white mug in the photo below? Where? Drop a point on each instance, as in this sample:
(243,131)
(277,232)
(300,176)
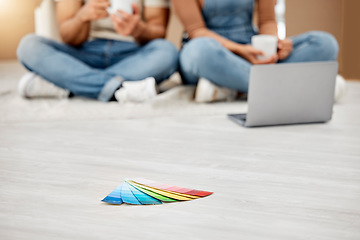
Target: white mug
(265,43)
(124,5)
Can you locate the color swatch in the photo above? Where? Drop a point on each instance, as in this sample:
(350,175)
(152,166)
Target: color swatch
(146,192)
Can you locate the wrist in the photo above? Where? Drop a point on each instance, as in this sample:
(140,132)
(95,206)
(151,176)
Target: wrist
(237,48)
(139,29)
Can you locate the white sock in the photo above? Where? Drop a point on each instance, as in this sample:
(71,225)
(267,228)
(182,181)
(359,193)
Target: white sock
(137,91)
(32,85)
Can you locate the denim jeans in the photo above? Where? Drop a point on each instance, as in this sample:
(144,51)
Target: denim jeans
(207,58)
(97,68)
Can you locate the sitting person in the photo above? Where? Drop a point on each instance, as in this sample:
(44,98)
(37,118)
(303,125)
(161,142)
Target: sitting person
(219,56)
(119,56)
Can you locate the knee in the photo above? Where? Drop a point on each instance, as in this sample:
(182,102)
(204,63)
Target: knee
(167,48)
(327,44)
(165,58)
(201,48)
(27,45)
(167,53)
(200,51)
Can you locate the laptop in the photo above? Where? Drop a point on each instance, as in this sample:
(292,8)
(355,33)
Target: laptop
(292,93)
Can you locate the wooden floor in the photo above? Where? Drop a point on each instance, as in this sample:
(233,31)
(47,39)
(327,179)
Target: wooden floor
(281,183)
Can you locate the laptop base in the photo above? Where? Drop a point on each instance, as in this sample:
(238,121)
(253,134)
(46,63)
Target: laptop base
(238,118)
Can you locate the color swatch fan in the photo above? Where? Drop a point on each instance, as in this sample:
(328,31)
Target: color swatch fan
(147,192)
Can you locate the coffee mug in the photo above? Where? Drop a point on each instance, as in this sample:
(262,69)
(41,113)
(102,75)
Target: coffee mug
(265,43)
(124,5)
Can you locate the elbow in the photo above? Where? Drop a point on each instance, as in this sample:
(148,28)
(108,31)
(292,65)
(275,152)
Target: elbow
(162,34)
(162,31)
(70,38)
(73,41)
(65,40)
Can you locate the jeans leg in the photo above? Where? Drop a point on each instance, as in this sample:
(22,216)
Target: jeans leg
(205,57)
(57,63)
(313,46)
(158,59)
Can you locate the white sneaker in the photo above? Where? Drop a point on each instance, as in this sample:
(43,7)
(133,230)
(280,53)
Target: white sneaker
(207,91)
(340,88)
(32,85)
(137,91)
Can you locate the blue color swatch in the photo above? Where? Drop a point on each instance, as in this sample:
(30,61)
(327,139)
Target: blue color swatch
(127,196)
(115,196)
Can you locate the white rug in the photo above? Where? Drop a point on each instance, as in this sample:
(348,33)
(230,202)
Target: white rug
(174,102)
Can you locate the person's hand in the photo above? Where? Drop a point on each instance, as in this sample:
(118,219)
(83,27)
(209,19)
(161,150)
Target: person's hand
(250,54)
(94,10)
(128,24)
(284,48)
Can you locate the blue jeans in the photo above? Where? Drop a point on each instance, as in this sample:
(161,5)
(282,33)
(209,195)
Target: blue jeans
(97,68)
(232,19)
(205,57)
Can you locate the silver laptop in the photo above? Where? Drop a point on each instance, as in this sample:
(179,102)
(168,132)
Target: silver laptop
(290,93)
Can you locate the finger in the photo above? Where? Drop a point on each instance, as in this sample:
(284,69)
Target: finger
(95,2)
(256,62)
(286,43)
(99,15)
(102,15)
(253,60)
(289,43)
(118,19)
(124,14)
(119,27)
(113,18)
(124,19)
(101,12)
(283,54)
(265,62)
(257,52)
(136,9)
(288,46)
(282,57)
(102,5)
(251,50)
(287,51)
(272,59)
(118,16)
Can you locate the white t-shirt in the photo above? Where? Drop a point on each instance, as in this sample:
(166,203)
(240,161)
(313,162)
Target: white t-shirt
(103,28)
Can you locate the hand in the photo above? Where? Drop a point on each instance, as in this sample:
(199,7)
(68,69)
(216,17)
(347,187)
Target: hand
(284,48)
(128,24)
(250,54)
(94,10)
